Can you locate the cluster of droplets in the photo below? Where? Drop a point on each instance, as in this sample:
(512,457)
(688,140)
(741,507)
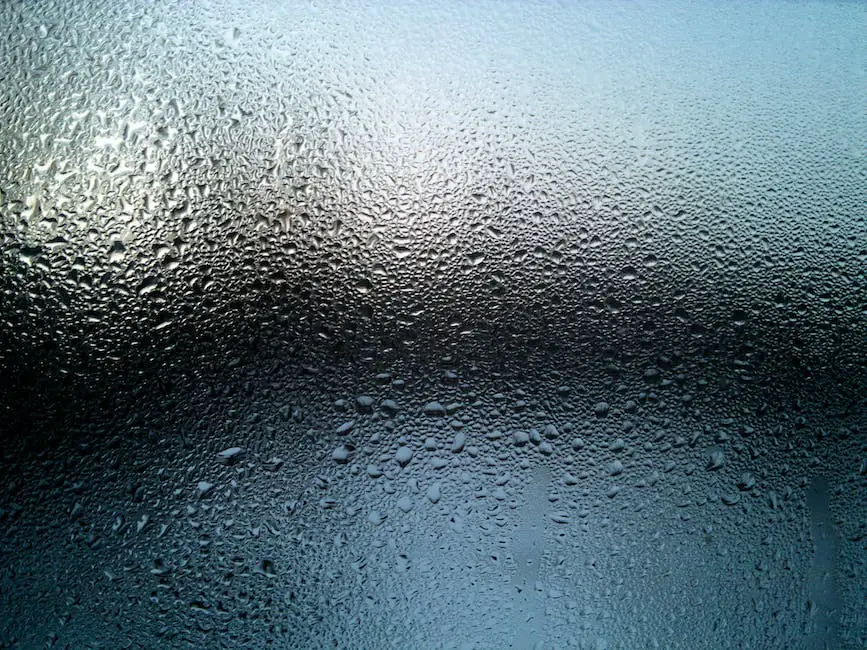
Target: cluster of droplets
(527,491)
(321,328)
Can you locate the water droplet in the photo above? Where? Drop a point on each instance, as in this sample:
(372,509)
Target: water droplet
(376,517)
(231,455)
(203,488)
(434,409)
(561,517)
(403,456)
(716,459)
(747,482)
(341,454)
(364,403)
(404,504)
(434,493)
(345,428)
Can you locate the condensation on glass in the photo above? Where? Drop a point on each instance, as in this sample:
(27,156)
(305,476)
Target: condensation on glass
(432,325)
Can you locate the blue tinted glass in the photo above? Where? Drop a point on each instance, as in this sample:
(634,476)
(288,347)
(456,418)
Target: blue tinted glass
(433,325)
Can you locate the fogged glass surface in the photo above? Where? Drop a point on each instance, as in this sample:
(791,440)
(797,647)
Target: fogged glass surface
(433,325)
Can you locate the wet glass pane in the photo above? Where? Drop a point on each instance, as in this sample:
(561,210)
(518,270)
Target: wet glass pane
(433,325)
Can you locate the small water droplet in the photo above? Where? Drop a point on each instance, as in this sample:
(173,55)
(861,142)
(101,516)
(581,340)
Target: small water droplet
(601,409)
(404,504)
(403,456)
(345,428)
(716,459)
(231,455)
(434,409)
(203,488)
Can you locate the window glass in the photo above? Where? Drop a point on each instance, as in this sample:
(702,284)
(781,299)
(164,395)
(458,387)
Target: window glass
(432,325)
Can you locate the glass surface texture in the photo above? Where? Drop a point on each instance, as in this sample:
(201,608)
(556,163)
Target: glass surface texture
(433,325)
